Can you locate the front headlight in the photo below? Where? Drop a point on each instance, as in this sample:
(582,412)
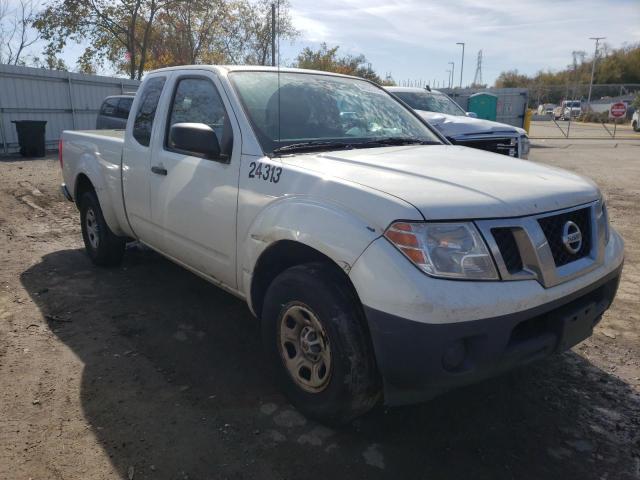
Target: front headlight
(525,146)
(448,250)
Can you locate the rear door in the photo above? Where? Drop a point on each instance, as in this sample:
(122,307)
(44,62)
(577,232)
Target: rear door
(194,199)
(136,162)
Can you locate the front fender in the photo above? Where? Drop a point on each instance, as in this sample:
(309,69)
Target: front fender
(328,228)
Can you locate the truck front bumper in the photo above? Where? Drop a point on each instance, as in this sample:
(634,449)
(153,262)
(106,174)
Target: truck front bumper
(420,360)
(443,334)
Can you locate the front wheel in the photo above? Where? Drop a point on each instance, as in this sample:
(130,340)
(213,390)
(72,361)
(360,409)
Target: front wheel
(315,336)
(102,245)
(636,127)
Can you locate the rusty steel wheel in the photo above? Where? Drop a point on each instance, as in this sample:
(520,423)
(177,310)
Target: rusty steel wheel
(304,348)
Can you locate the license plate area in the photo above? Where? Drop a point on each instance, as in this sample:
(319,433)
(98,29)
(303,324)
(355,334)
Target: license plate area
(576,324)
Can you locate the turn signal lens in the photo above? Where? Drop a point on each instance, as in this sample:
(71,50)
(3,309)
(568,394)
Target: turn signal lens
(403,239)
(448,250)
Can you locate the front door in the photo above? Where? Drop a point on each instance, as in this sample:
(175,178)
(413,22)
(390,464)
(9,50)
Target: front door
(194,199)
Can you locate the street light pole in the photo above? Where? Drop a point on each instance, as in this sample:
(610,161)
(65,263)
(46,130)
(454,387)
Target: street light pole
(448,79)
(593,68)
(453,68)
(462,63)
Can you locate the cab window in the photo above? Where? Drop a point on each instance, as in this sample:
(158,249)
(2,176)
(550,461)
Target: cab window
(196,100)
(124,105)
(109,107)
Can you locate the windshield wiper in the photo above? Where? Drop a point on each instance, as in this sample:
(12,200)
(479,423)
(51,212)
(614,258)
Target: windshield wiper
(313,145)
(389,141)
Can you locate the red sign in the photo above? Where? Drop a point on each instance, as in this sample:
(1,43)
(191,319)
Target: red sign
(617,110)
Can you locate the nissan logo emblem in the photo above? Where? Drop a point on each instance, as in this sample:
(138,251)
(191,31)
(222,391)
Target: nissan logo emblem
(571,237)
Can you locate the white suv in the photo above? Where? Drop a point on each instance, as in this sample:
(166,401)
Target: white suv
(462,128)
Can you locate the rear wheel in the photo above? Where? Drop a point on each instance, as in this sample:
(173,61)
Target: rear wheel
(316,338)
(102,245)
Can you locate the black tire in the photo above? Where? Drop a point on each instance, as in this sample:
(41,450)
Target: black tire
(103,246)
(353,387)
(636,127)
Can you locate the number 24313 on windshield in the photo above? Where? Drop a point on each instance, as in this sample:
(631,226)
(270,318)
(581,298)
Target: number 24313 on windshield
(264,171)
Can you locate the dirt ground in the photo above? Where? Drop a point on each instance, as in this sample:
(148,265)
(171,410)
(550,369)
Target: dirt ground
(148,372)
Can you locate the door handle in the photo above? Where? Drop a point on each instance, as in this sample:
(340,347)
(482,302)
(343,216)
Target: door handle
(159,170)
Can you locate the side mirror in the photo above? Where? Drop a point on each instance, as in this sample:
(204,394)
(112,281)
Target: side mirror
(472,114)
(195,139)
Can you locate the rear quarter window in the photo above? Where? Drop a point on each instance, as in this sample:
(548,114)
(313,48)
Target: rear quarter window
(149,98)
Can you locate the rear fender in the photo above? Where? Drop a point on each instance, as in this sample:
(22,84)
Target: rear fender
(105,178)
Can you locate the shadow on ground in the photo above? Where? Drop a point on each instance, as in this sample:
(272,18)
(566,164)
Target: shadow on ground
(175,385)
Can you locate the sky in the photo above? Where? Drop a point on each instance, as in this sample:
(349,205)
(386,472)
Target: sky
(415,39)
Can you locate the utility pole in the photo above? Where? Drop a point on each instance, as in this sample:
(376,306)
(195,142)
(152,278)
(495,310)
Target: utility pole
(462,63)
(593,68)
(453,68)
(576,54)
(273,34)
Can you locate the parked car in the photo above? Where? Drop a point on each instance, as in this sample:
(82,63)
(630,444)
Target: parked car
(568,109)
(635,121)
(462,128)
(114,112)
(381,261)
(546,109)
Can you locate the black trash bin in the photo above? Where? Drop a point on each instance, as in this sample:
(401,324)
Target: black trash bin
(31,137)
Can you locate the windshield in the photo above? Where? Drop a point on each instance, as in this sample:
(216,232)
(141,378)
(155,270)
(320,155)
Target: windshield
(323,111)
(430,102)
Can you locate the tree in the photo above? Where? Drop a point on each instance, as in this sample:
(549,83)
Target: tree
(248,31)
(512,79)
(327,59)
(613,66)
(117,31)
(217,31)
(16,34)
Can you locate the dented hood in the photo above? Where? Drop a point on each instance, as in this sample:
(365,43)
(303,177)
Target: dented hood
(452,182)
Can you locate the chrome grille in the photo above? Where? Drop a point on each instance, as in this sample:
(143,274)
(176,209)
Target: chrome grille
(508,249)
(532,248)
(502,145)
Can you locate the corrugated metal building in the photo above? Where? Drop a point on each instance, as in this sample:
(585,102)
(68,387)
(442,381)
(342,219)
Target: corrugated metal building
(512,102)
(65,100)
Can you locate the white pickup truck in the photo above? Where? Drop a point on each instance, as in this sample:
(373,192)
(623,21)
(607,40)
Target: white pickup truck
(381,261)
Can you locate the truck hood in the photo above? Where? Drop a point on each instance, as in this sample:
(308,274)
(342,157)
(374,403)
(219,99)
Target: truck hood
(452,182)
(455,126)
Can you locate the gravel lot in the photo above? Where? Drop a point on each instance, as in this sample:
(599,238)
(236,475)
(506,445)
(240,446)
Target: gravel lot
(148,372)
(548,129)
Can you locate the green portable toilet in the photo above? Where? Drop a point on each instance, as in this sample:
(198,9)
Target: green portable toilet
(484,105)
